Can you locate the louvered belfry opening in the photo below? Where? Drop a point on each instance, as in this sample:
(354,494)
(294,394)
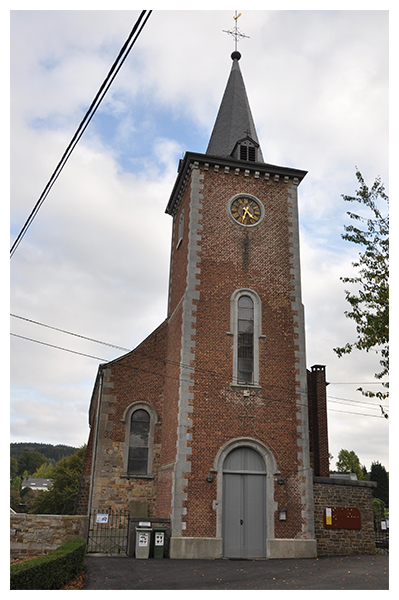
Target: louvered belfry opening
(247,153)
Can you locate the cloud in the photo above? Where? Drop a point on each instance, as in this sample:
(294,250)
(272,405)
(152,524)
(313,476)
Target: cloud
(96,259)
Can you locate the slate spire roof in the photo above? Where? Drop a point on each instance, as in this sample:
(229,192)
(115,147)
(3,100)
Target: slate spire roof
(234,122)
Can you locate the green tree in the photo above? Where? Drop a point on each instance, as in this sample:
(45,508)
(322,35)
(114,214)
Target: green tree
(45,471)
(15,499)
(369,303)
(348,462)
(60,499)
(13,467)
(30,461)
(379,474)
(28,499)
(365,476)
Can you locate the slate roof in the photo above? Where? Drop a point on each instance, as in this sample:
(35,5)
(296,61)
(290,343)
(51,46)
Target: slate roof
(234,120)
(37,483)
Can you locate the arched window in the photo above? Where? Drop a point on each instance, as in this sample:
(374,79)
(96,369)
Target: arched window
(140,419)
(245,340)
(138,442)
(245,326)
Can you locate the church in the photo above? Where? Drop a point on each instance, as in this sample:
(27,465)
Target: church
(213,424)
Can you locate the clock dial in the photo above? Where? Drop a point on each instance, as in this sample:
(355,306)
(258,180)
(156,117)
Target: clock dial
(246,210)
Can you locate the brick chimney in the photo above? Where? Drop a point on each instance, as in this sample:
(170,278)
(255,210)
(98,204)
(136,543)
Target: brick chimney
(318,430)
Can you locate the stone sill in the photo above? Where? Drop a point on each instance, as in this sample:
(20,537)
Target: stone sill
(243,386)
(133,476)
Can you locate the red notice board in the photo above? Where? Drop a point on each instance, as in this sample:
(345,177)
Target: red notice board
(339,517)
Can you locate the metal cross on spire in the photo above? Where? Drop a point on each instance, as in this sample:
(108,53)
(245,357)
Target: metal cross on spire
(236,33)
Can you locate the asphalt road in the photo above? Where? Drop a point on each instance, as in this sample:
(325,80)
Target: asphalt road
(366,572)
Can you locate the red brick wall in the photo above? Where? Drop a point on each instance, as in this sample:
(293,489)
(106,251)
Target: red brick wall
(230,257)
(169,415)
(136,377)
(234,257)
(178,268)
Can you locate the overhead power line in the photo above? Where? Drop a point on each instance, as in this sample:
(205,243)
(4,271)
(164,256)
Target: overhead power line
(356,382)
(179,363)
(146,370)
(134,34)
(336,398)
(350,412)
(83,337)
(22,337)
(358,403)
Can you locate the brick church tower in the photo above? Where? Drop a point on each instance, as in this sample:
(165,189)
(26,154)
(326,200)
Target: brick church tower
(206,422)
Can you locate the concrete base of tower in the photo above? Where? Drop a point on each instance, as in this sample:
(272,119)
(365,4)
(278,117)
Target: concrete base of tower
(208,548)
(291,548)
(202,548)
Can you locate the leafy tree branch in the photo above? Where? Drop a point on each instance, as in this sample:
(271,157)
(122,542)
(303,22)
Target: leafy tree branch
(369,299)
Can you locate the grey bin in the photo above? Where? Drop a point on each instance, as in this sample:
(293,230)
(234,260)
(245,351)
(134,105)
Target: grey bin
(143,539)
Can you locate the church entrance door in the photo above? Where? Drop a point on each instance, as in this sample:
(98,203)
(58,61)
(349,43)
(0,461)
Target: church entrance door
(244,504)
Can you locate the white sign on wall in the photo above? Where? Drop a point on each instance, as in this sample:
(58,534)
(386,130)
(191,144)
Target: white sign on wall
(102,518)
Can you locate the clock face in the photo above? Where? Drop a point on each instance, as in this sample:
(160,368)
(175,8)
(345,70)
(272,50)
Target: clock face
(246,210)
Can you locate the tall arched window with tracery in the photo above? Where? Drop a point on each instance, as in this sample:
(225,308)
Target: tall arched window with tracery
(245,340)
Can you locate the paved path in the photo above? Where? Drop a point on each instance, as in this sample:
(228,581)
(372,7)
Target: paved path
(326,573)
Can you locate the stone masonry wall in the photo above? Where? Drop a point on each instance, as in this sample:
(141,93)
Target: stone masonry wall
(35,535)
(329,493)
(135,378)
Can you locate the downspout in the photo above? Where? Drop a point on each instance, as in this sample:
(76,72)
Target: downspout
(93,463)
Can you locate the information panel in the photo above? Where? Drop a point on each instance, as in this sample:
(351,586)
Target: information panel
(340,517)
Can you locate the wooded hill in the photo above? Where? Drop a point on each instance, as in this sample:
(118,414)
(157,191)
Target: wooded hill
(49,451)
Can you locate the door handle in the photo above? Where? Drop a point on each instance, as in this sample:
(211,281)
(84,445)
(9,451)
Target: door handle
(241,521)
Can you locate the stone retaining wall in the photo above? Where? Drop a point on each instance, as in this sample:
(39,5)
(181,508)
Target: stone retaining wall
(35,535)
(329,493)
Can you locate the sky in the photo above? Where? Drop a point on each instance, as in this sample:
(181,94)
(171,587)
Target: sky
(95,261)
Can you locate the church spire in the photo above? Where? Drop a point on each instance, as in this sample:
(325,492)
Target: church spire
(234,132)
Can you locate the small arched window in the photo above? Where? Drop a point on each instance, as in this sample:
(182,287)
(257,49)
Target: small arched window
(139,419)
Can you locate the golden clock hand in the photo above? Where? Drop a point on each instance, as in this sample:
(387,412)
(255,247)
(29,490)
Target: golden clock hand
(245,210)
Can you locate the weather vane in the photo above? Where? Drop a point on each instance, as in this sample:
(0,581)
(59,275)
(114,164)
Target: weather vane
(236,33)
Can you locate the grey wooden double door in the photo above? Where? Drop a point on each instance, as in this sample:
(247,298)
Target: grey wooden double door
(244,504)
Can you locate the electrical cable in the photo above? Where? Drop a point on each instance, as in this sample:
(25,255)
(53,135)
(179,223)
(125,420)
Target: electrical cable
(164,375)
(350,401)
(349,412)
(22,337)
(70,333)
(356,382)
(176,363)
(84,123)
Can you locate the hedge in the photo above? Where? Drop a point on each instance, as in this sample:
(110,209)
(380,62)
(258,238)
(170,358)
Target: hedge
(52,571)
